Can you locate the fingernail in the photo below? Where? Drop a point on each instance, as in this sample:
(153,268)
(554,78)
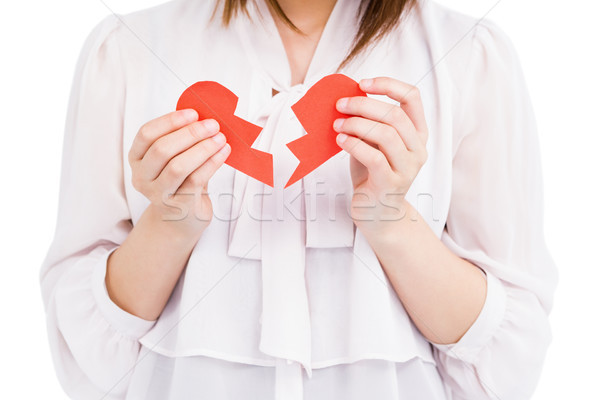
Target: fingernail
(337,124)
(342,103)
(225,149)
(211,125)
(341,138)
(190,115)
(366,83)
(219,138)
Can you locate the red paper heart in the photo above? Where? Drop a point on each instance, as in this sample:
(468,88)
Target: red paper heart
(316,112)
(213,100)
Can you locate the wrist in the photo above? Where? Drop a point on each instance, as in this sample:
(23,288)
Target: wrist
(391,228)
(172,230)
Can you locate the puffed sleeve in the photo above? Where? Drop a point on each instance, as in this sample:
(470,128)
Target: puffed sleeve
(496,222)
(94,343)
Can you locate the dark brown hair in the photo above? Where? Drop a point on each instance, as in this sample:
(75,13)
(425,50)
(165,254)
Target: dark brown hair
(377,18)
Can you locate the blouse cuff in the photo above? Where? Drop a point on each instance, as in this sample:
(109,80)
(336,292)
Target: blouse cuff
(484,327)
(124,322)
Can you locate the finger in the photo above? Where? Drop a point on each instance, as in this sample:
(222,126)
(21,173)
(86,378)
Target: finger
(383,112)
(158,127)
(381,135)
(178,169)
(374,160)
(202,175)
(407,95)
(168,146)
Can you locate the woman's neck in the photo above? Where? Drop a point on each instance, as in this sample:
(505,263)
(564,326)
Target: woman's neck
(310,17)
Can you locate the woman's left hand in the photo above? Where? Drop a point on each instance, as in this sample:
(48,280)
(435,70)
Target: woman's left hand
(387,147)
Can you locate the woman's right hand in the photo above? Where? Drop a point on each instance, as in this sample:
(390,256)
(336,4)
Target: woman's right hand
(172,158)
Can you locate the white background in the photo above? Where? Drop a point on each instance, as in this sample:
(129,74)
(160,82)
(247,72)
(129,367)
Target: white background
(558,43)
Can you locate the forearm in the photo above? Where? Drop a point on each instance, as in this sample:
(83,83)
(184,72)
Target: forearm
(142,273)
(442,293)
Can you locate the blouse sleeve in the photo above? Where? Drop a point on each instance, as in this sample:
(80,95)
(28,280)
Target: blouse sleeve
(496,222)
(94,343)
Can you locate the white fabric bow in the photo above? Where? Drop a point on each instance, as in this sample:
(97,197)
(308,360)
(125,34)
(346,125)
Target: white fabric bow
(276,225)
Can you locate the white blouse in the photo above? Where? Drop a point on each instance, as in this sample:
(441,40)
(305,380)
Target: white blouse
(291,308)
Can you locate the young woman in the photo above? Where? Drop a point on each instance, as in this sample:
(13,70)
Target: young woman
(411,265)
